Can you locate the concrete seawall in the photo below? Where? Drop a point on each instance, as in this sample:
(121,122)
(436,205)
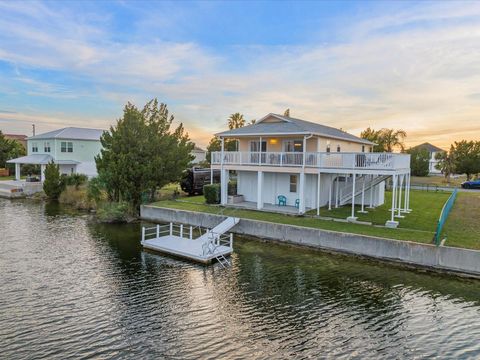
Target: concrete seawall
(448,259)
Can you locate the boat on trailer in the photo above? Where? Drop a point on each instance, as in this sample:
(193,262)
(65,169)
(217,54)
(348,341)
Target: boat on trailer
(178,240)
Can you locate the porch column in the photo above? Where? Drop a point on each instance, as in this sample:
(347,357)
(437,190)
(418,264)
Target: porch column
(224,178)
(260,190)
(42,172)
(407,195)
(371,193)
(392,223)
(330,196)
(318,193)
(301,207)
(337,192)
(353,217)
(17,172)
(211,174)
(362,210)
(399,204)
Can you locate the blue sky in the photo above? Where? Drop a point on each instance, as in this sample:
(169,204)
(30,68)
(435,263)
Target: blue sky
(410,65)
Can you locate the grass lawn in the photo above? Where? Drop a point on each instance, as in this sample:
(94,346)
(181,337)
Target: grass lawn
(437,180)
(426,208)
(418,226)
(11,177)
(462,228)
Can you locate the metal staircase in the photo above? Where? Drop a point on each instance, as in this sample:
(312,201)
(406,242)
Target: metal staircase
(360,182)
(215,238)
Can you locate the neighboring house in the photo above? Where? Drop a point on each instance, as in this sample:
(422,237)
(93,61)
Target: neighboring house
(73,149)
(292,165)
(22,139)
(433,151)
(200,155)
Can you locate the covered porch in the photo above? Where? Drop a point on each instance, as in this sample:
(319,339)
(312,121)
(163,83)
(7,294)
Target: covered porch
(251,205)
(66,166)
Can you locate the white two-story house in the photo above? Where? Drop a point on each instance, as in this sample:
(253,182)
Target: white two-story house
(73,149)
(292,165)
(433,161)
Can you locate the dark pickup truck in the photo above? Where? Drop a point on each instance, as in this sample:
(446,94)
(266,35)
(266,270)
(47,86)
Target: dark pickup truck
(194,179)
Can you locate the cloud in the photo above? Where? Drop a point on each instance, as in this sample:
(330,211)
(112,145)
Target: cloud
(416,68)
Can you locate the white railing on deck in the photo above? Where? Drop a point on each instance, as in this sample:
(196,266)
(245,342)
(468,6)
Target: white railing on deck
(373,161)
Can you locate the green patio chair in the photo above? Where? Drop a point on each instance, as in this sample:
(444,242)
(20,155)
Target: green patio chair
(282,200)
(297,203)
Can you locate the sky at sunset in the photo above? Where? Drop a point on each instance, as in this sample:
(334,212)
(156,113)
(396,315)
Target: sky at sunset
(409,65)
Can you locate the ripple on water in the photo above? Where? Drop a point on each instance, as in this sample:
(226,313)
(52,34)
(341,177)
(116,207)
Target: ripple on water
(73,288)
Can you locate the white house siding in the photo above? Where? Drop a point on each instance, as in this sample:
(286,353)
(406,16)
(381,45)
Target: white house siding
(88,168)
(275,184)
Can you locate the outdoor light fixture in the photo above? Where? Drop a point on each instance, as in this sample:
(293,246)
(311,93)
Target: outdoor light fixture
(273,141)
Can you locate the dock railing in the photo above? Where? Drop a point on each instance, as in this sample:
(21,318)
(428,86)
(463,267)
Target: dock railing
(182,231)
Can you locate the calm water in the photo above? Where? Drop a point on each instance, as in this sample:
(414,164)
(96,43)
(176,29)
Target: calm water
(73,288)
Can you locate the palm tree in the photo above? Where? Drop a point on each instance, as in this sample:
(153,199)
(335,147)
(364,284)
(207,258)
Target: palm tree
(446,163)
(391,139)
(236,121)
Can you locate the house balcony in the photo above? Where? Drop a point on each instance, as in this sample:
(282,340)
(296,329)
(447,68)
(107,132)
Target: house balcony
(318,161)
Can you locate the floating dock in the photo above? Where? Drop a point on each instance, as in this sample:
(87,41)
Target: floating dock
(177,240)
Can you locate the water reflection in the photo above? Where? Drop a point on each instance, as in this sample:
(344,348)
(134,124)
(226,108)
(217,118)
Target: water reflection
(74,288)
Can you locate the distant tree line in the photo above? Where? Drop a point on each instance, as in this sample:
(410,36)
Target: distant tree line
(462,158)
(9,149)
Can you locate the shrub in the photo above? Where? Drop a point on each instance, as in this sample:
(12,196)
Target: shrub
(96,190)
(212,193)
(75,179)
(53,184)
(76,197)
(114,212)
(232,187)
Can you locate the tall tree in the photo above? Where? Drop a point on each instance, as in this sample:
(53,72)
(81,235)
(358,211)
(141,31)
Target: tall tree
(287,113)
(9,149)
(236,121)
(141,153)
(466,157)
(446,163)
(53,184)
(419,161)
(386,140)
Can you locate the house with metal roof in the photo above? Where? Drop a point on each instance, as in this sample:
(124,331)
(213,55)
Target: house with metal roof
(433,151)
(73,149)
(293,165)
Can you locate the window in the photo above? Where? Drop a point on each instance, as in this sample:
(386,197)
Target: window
(293,146)
(293,183)
(338,148)
(328,146)
(363,148)
(66,146)
(34,147)
(255,146)
(46,147)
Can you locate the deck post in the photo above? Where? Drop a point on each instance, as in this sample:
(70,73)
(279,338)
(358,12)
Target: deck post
(181,230)
(352,217)
(330,196)
(363,196)
(224,186)
(171,229)
(191,233)
(301,207)
(337,192)
(158,231)
(211,174)
(259,190)
(399,203)
(371,194)
(318,193)
(17,172)
(231,240)
(143,233)
(42,172)
(392,223)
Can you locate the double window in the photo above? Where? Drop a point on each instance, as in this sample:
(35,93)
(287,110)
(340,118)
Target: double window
(34,147)
(255,146)
(338,148)
(46,147)
(293,183)
(66,146)
(293,146)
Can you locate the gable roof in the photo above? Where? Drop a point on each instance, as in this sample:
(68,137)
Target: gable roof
(291,126)
(70,133)
(429,147)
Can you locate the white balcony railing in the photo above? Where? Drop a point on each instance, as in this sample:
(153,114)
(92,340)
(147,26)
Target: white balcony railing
(373,161)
